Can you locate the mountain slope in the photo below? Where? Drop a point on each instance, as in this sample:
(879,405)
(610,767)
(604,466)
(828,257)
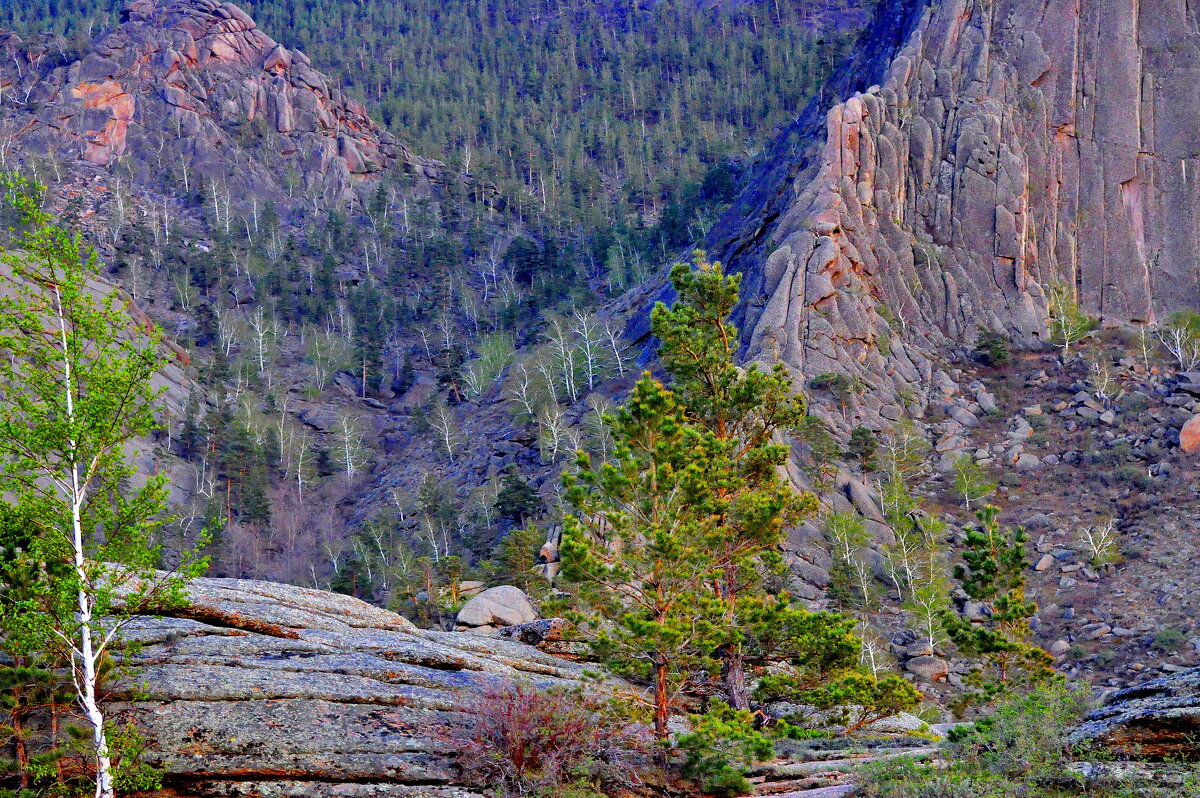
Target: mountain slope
(190,93)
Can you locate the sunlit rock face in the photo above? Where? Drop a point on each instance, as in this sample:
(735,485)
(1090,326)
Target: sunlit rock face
(264,689)
(974,154)
(191,88)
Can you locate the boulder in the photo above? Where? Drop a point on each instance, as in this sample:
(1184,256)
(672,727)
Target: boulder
(1159,719)
(928,667)
(1189,435)
(497,607)
(536,633)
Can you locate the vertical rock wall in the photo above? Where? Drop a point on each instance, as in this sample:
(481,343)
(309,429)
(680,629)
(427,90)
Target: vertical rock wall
(1006,145)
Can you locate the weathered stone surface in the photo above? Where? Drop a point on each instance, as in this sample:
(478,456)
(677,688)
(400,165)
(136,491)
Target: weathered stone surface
(1156,720)
(973,155)
(928,667)
(261,689)
(177,86)
(1189,435)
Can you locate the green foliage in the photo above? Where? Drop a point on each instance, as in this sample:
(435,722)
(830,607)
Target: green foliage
(812,647)
(1180,335)
(76,382)
(743,414)
(723,742)
(858,698)
(993,574)
(970,480)
(840,385)
(517,559)
(672,540)
(1019,750)
(635,546)
(822,452)
(851,581)
(1068,324)
(130,773)
(915,560)
(1169,639)
(516,499)
(494,353)
(862,447)
(991,348)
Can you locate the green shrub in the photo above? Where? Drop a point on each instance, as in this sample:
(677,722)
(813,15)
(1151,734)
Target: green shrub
(723,743)
(991,348)
(1169,639)
(1020,750)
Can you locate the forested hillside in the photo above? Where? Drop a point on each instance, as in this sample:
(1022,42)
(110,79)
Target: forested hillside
(394,365)
(610,116)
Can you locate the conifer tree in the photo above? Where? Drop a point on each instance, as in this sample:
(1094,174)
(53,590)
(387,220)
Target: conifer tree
(635,545)
(744,412)
(993,573)
(672,542)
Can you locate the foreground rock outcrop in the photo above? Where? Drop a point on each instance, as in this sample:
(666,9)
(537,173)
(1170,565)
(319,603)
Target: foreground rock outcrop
(1156,720)
(262,689)
(191,92)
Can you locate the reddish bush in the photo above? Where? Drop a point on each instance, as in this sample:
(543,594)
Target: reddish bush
(522,740)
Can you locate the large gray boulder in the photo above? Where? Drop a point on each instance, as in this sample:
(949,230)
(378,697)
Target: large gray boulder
(261,689)
(497,607)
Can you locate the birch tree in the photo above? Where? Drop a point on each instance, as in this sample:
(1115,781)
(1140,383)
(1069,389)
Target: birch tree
(350,445)
(75,377)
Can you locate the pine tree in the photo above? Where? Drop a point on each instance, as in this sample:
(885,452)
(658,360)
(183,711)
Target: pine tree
(672,542)
(993,573)
(635,546)
(744,412)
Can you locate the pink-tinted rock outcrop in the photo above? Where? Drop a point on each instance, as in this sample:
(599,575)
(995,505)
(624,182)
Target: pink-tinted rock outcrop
(193,90)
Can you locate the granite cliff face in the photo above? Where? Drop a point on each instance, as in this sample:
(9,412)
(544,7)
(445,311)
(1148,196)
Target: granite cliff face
(191,89)
(263,689)
(978,153)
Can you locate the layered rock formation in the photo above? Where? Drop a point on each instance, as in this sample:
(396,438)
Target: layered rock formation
(262,689)
(191,89)
(1156,720)
(978,152)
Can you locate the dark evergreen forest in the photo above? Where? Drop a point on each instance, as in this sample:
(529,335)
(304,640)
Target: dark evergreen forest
(608,116)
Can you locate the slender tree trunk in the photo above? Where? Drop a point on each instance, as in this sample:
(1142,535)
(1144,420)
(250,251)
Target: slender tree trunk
(733,676)
(88,679)
(58,763)
(662,700)
(20,753)
(85,682)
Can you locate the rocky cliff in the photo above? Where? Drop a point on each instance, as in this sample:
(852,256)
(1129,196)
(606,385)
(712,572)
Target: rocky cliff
(975,153)
(192,92)
(262,689)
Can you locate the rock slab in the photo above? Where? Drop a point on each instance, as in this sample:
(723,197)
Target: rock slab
(261,689)
(1159,720)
